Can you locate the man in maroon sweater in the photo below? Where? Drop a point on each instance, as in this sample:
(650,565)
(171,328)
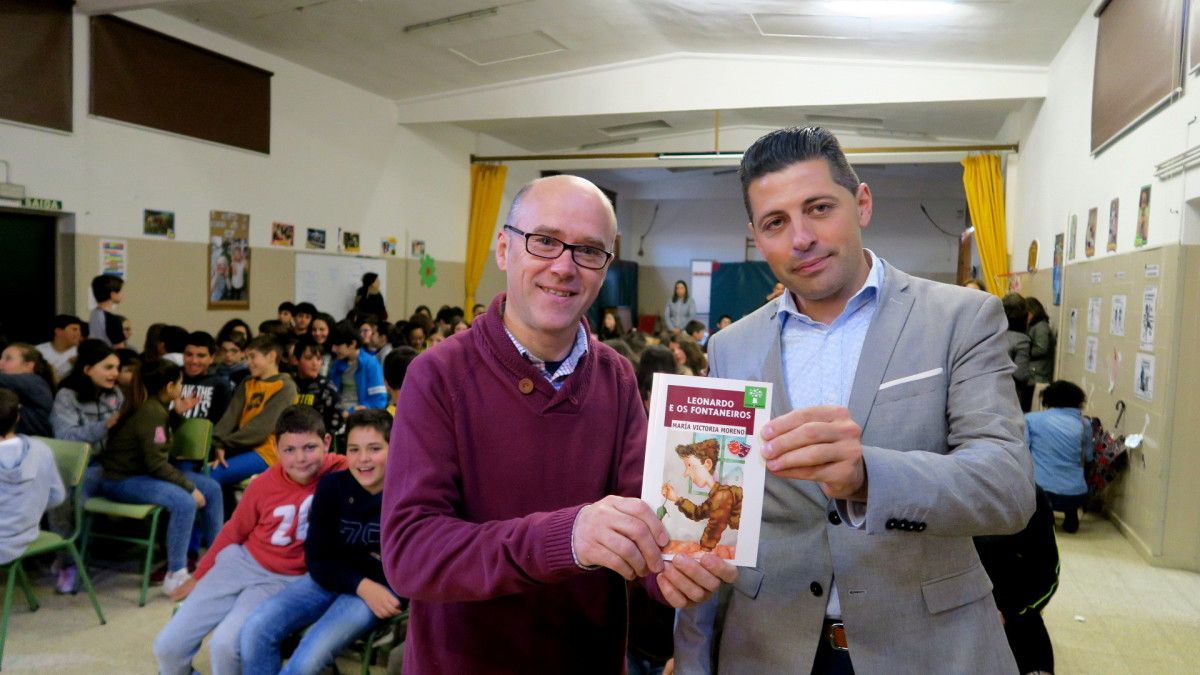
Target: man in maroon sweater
(510,515)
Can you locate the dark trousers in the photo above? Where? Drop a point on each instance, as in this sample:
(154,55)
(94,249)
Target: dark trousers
(830,661)
(1029,641)
(1069,505)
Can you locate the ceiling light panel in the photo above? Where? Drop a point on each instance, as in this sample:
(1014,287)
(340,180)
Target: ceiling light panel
(511,48)
(635,128)
(811,26)
(890,8)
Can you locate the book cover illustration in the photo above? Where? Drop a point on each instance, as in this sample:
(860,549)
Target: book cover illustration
(704,471)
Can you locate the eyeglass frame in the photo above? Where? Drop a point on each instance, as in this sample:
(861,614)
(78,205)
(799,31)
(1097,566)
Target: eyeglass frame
(609,255)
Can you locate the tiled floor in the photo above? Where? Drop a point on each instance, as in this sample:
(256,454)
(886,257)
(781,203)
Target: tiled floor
(1113,613)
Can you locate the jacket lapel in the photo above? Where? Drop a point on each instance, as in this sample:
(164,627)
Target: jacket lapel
(880,343)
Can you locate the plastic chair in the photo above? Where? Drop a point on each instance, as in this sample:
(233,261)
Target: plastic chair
(190,442)
(72,459)
(378,633)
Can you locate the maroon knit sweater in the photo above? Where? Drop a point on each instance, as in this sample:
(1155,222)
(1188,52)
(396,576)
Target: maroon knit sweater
(483,484)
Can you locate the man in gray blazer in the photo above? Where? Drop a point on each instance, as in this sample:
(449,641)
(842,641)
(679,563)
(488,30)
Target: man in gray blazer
(895,437)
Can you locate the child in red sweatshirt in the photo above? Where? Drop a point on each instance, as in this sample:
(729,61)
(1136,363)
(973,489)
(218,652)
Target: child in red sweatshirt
(258,553)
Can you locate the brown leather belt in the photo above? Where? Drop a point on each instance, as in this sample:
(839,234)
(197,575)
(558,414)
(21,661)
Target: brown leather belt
(834,633)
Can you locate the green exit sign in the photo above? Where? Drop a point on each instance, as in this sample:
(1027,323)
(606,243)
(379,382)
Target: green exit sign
(43,204)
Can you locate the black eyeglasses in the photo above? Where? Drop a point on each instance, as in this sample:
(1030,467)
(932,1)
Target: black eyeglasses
(545,246)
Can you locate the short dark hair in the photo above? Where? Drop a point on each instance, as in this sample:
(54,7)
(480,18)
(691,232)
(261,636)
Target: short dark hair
(368,319)
(1037,312)
(395,365)
(446,315)
(236,338)
(693,326)
(265,344)
(782,148)
(304,345)
(104,285)
(65,321)
(273,327)
(656,359)
(300,419)
(286,306)
(156,374)
(723,317)
(174,338)
(200,338)
(342,334)
(1063,394)
(129,357)
(305,308)
(1015,312)
(379,420)
(10,410)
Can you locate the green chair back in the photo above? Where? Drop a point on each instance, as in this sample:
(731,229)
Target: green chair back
(192,440)
(72,459)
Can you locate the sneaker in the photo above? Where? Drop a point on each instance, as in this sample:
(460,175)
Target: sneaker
(174,580)
(66,582)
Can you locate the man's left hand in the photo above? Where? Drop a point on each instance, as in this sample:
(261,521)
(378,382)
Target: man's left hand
(821,444)
(686,582)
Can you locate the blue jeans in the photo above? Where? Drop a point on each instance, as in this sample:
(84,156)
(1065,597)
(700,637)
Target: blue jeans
(240,468)
(178,502)
(338,617)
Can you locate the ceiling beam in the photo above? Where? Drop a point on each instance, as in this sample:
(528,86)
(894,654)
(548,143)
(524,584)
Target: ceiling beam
(110,6)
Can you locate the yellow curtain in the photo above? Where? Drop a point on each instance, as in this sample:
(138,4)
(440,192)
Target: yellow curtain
(985,198)
(487,186)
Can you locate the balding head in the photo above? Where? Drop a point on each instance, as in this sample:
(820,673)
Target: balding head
(557,187)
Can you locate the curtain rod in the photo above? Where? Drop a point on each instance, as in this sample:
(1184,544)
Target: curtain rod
(476,159)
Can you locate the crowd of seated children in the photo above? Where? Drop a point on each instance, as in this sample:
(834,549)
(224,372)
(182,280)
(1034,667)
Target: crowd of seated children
(137,469)
(258,553)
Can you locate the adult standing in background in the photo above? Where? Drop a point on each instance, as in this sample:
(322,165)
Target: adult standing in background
(680,310)
(368,300)
(1041,343)
(1018,347)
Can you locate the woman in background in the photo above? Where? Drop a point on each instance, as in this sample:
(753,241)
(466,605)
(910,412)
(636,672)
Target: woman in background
(680,310)
(1041,343)
(368,300)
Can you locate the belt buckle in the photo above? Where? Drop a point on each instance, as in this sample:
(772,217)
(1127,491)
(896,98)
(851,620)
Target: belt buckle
(835,634)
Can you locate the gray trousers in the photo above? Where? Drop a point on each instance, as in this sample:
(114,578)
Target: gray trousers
(219,603)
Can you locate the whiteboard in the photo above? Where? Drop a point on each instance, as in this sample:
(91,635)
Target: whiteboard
(329,281)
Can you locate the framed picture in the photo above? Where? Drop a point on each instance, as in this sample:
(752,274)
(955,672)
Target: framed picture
(158,223)
(1089,237)
(315,240)
(228,260)
(283,234)
(1113,208)
(350,241)
(1143,221)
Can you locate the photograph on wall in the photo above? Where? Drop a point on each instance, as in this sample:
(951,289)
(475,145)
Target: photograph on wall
(387,246)
(348,241)
(1116,316)
(1089,353)
(1072,329)
(704,473)
(114,258)
(228,260)
(1072,232)
(1143,377)
(158,223)
(417,248)
(315,240)
(1057,269)
(1113,208)
(1143,223)
(283,234)
(1089,236)
(1149,316)
(1093,315)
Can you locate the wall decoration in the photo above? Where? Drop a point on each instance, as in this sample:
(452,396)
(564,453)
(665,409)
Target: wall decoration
(283,234)
(1093,315)
(228,260)
(1143,221)
(1149,317)
(387,246)
(315,240)
(417,248)
(1114,364)
(1072,329)
(1116,316)
(1112,224)
(114,258)
(1072,231)
(349,241)
(1089,353)
(1089,237)
(158,223)
(428,271)
(1031,259)
(1056,270)
(1143,377)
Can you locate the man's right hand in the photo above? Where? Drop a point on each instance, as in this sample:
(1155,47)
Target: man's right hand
(622,534)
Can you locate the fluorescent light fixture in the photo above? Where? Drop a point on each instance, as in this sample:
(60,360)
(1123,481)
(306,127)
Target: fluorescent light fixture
(465,16)
(700,155)
(890,8)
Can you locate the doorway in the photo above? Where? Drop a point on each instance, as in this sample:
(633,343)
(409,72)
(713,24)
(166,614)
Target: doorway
(27,276)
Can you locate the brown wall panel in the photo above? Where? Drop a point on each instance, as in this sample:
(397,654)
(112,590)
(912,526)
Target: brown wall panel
(35,62)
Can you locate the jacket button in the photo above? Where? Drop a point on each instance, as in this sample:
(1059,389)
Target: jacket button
(904,524)
(920,527)
(890,524)
(816,589)
(835,518)
(525,385)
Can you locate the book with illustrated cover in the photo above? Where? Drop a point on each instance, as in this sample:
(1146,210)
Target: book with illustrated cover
(704,471)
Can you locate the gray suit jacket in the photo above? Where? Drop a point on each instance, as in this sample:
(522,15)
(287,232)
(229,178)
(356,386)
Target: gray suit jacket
(943,445)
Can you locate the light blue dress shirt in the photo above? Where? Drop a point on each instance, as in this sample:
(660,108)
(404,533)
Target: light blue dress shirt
(1059,443)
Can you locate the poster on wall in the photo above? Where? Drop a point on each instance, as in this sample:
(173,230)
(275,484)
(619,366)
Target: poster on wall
(315,240)
(387,246)
(158,223)
(1032,259)
(1072,329)
(1112,224)
(1093,315)
(1089,353)
(1116,316)
(1089,237)
(228,260)
(283,234)
(417,248)
(114,258)
(1056,270)
(1143,377)
(1072,231)
(1149,317)
(349,241)
(1143,223)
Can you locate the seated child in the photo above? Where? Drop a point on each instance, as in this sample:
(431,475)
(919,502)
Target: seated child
(242,439)
(25,371)
(29,482)
(314,389)
(137,468)
(233,366)
(210,390)
(357,375)
(259,552)
(344,593)
(395,367)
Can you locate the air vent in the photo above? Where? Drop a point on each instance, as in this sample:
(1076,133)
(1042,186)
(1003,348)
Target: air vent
(808,26)
(511,48)
(635,128)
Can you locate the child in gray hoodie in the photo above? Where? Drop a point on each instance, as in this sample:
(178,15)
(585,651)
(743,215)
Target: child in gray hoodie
(29,482)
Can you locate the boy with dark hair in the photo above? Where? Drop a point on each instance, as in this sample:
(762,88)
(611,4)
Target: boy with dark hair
(107,290)
(242,439)
(233,359)
(60,350)
(345,593)
(395,366)
(174,340)
(356,374)
(284,313)
(695,330)
(273,327)
(302,316)
(258,553)
(211,391)
(29,482)
(314,389)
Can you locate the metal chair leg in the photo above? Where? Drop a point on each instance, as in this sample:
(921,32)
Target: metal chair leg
(87,581)
(23,579)
(150,542)
(8,593)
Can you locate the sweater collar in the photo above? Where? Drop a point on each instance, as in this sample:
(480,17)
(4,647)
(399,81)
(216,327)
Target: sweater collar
(495,339)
